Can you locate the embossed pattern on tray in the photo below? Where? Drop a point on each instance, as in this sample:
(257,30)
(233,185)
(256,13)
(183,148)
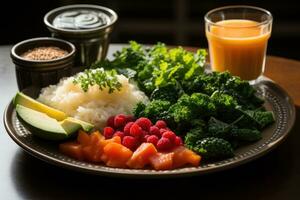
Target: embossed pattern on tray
(276,100)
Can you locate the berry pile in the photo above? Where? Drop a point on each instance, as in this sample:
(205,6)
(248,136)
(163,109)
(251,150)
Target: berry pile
(134,132)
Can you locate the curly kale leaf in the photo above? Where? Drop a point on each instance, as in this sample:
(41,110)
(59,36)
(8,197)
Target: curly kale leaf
(241,91)
(138,110)
(219,129)
(263,118)
(156,110)
(171,92)
(213,148)
(249,135)
(193,136)
(223,102)
(192,107)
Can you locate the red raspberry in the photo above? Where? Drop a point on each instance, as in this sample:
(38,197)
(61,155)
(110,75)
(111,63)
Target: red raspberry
(136,130)
(120,134)
(144,123)
(152,139)
(164,144)
(127,128)
(129,118)
(161,124)
(145,138)
(178,141)
(110,121)
(154,130)
(170,135)
(108,132)
(120,120)
(162,130)
(145,133)
(130,142)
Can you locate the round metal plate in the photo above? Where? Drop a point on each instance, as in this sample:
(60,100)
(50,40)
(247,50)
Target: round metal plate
(277,100)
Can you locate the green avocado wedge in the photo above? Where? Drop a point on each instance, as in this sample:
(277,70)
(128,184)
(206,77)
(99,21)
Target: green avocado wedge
(48,128)
(84,125)
(29,102)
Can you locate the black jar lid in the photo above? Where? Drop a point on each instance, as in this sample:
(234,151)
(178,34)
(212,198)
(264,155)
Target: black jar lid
(42,65)
(110,16)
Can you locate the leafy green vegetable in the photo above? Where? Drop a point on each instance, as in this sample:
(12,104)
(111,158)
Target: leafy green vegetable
(213,111)
(170,92)
(254,118)
(100,77)
(193,136)
(156,110)
(249,135)
(219,129)
(241,91)
(213,148)
(263,118)
(223,101)
(138,110)
(156,66)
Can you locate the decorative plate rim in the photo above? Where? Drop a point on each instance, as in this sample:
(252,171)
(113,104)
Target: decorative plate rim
(148,173)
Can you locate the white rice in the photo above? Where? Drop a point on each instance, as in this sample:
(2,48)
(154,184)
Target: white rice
(94,106)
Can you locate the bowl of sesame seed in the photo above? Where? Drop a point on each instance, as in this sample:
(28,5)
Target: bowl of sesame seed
(40,62)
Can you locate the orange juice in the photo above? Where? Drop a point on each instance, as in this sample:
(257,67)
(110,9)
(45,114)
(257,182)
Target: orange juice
(238,46)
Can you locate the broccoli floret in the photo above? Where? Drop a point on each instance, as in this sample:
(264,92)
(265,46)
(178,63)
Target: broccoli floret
(157,110)
(248,135)
(214,148)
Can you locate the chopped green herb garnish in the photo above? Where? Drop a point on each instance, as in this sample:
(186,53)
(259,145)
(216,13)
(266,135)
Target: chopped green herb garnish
(100,77)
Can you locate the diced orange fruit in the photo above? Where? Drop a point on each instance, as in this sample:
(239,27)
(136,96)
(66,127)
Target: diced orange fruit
(117,155)
(94,150)
(162,161)
(183,156)
(96,137)
(141,155)
(83,138)
(72,149)
(115,139)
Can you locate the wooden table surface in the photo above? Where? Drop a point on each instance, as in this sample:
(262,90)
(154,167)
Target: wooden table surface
(275,176)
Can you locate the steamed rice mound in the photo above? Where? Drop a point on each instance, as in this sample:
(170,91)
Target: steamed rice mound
(95,105)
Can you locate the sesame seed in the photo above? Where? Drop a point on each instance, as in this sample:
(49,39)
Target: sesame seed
(44,53)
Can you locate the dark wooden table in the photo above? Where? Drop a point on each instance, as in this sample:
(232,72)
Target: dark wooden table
(275,176)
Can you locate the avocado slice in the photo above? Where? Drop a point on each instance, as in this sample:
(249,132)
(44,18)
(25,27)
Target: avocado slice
(47,127)
(84,125)
(29,102)
(41,124)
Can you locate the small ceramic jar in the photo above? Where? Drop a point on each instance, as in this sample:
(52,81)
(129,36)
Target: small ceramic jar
(88,27)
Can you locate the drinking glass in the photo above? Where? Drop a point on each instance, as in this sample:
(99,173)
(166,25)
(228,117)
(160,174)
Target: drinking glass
(237,39)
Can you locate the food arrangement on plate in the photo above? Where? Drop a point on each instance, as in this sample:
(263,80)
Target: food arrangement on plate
(149,107)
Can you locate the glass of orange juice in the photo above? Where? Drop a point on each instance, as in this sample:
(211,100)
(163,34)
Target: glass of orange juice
(237,39)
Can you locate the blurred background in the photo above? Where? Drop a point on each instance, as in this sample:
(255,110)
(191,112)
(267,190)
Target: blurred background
(174,22)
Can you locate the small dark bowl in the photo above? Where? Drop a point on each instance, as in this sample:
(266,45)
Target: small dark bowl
(41,73)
